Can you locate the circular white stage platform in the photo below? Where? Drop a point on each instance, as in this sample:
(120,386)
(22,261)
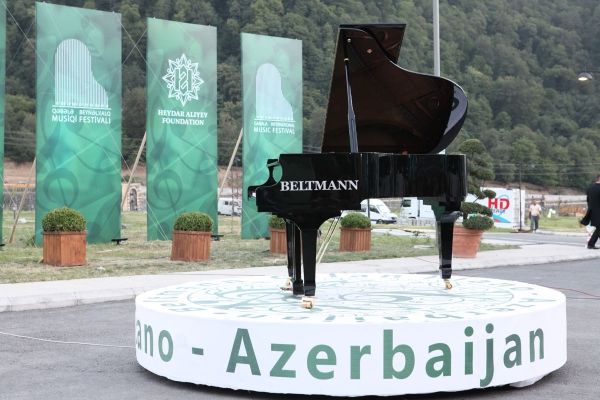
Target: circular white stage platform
(369,334)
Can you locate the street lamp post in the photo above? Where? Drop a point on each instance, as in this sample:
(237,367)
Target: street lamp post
(436,37)
(586,75)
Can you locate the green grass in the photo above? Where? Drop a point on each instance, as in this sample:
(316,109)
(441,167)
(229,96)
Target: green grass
(563,224)
(20,261)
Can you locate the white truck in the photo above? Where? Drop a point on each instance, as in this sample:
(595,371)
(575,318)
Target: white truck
(228,207)
(412,207)
(377,211)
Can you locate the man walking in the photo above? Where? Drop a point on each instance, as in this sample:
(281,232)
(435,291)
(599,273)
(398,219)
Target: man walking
(534,213)
(593,212)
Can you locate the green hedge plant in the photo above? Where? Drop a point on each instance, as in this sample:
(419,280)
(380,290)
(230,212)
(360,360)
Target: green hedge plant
(63,219)
(193,221)
(276,222)
(479,169)
(477,216)
(355,220)
(478,222)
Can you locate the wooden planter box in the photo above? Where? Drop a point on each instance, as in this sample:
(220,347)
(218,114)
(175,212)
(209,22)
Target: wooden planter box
(190,246)
(355,239)
(64,249)
(465,242)
(278,241)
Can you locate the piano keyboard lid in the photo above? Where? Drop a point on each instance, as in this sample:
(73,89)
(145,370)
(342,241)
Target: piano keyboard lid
(397,111)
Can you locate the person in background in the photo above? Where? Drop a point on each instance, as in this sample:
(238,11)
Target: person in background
(534,213)
(592,215)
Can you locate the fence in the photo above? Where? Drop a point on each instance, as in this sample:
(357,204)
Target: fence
(13,197)
(565,206)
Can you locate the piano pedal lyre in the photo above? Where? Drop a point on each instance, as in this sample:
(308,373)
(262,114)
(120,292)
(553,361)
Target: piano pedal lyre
(287,286)
(308,302)
(448,284)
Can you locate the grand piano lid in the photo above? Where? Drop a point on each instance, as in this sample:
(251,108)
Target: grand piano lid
(397,111)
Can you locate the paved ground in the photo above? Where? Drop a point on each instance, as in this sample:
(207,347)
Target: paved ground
(87,351)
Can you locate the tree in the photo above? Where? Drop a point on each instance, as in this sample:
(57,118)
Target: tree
(479,165)
(517,62)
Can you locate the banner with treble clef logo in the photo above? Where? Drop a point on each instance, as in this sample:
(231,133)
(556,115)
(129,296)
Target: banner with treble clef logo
(181,123)
(2,80)
(78,117)
(272,92)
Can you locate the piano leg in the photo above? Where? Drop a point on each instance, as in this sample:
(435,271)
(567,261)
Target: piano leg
(291,251)
(309,257)
(295,259)
(445,230)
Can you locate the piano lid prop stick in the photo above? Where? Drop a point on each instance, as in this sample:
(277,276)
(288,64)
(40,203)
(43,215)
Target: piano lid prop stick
(351,116)
(327,240)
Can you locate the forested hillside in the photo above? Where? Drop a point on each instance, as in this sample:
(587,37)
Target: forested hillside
(517,60)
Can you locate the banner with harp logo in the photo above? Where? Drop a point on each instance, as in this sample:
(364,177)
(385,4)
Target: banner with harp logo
(2,80)
(78,116)
(272,92)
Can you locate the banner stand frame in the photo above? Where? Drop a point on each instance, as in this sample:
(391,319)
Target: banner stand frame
(235,150)
(135,164)
(22,202)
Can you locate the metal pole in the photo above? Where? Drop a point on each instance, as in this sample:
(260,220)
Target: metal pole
(436,37)
(436,43)
(520,199)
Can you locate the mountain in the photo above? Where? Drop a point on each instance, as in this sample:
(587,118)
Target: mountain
(518,61)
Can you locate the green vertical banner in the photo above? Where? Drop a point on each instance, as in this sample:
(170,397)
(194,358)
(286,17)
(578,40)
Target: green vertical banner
(2,85)
(272,92)
(181,157)
(78,117)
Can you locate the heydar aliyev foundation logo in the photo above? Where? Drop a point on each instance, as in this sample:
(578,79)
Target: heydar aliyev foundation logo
(183,79)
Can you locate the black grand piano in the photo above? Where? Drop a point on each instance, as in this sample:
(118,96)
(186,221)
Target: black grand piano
(384,129)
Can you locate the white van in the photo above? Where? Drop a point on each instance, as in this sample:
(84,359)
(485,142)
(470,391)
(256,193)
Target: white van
(228,207)
(377,211)
(412,207)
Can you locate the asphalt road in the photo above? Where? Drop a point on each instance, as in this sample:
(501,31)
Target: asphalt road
(539,238)
(90,352)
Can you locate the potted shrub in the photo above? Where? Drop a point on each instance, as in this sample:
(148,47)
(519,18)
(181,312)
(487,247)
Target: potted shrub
(278,243)
(64,237)
(355,233)
(191,237)
(476,217)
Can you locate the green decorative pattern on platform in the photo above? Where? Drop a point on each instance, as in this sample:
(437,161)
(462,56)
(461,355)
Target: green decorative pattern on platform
(78,126)
(272,91)
(181,123)
(356,298)
(2,81)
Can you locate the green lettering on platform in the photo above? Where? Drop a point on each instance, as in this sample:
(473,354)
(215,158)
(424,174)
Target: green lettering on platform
(243,337)
(356,353)
(445,359)
(389,351)
(286,353)
(312,361)
(165,356)
(509,361)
